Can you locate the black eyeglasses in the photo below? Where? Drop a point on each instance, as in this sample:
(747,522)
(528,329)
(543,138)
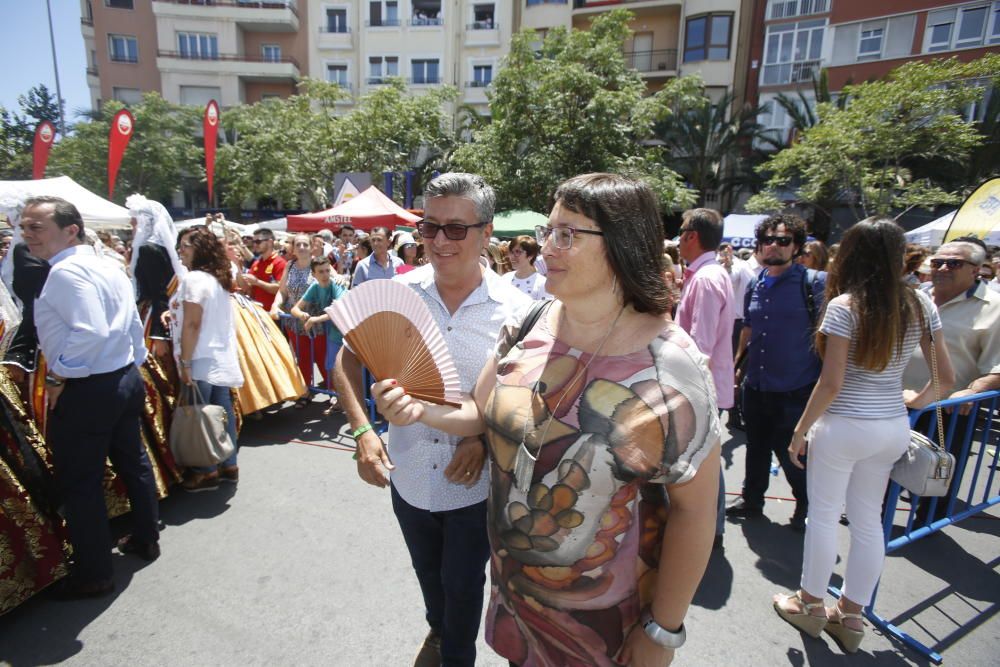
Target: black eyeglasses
(950,263)
(562,237)
(452,231)
(256,241)
(783,241)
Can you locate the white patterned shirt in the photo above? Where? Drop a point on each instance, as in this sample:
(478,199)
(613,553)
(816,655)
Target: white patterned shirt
(421,454)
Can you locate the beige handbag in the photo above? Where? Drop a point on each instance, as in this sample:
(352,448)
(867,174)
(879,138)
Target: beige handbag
(926,468)
(198,435)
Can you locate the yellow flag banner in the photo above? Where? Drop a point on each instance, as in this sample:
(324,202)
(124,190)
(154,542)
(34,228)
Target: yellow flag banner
(979,214)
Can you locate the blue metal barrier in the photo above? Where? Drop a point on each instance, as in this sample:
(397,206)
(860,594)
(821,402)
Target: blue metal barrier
(316,385)
(965,436)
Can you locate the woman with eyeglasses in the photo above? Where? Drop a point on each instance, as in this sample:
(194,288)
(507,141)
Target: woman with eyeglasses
(597,409)
(856,422)
(523,250)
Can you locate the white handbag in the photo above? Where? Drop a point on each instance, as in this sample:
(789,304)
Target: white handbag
(926,468)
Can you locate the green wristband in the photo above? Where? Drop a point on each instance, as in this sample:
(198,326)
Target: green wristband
(361,430)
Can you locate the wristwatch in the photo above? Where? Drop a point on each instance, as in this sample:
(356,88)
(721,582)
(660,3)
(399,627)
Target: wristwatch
(660,635)
(53,381)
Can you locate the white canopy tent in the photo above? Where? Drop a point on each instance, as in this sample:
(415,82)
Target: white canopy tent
(739,229)
(229,224)
(97,212)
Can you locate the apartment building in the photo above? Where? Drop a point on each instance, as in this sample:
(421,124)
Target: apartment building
(243,51)
(670,37)
(855,41)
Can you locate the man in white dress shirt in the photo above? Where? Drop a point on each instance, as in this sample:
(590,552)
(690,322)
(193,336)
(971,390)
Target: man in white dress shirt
(90,333)
(438,494)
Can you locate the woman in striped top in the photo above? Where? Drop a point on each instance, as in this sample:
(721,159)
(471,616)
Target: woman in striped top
(856,421)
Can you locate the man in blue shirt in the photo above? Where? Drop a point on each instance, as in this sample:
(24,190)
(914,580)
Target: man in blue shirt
(90,333)
(780,311)
(379,264)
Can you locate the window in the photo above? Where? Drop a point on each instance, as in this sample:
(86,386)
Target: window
(380,67)
(118,4)
(271,53)
(383,13)
(963,27)
(336,20)
(199,96)
(483,17)
(337,73)
(126,95)
(199,45)
(783,9)
(482,75)
(425,71)
(123,49)
(870,45)
(707,38)
(792,52)
(426,12)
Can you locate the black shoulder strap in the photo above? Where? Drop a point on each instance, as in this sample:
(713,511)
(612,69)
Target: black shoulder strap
(534,314)
(809,295)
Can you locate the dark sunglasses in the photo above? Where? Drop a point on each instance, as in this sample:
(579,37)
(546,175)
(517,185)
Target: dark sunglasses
(256,241)
(783,241)
(452,231)
(950,263)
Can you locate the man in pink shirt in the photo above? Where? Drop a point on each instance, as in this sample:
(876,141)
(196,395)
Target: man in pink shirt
(706,312)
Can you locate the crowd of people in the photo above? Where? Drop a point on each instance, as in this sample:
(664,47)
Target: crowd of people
(598,362)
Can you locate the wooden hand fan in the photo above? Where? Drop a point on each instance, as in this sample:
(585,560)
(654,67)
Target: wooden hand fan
(391,330)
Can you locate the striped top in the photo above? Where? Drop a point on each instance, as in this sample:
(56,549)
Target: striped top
(868,394)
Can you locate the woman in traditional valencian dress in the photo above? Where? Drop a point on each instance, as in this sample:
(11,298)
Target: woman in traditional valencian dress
(156,270)
(33,545)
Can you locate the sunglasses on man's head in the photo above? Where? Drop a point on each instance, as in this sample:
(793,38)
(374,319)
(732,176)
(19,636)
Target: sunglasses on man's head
(452,231)
(783,241)
(950,263)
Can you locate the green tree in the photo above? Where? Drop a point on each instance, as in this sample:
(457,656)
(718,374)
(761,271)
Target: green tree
(164,149)
(573,108)
(862,154)
(281,148)
(17,131)
(712,145)
(392,130)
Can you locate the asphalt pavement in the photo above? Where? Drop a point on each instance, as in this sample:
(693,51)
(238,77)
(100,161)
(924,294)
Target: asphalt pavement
(303,564)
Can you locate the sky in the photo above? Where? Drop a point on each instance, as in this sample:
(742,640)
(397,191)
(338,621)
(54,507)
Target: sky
(27,54)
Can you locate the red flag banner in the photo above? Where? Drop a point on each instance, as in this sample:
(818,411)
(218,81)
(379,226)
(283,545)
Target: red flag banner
(122,126)
(210,125)
(45,133)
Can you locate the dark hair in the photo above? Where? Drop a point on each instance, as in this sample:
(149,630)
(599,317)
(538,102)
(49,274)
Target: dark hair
(914,257)
(792,223)
(343,227)
(380,230)
(366,244)
(529,245)
(707,224)
(625,210)
(869,268)
(64,213)
(318,261)
(208,254)
(264,232)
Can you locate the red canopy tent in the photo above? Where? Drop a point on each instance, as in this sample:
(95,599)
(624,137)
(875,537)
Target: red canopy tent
(369,209)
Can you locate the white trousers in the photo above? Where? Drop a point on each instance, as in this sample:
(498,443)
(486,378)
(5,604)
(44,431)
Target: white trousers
(849,463)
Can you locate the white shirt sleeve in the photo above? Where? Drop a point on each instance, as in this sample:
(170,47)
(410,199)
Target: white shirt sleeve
(77,303)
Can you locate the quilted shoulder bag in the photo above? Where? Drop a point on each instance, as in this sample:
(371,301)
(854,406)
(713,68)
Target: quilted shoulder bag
(198,435)
(926,468)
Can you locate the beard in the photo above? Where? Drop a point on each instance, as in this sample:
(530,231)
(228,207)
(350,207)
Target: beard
(775,261)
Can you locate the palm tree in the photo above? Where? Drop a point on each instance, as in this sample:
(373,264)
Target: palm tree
(713,146)
(801,110)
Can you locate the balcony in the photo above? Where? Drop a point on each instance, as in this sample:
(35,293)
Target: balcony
(340,38)
(482,33)
(382,23)
(251,15)
(475,92)
(784,73)
(86,21)
(597,6)
(651,64)
(249,67)
(425,22)
(92,71)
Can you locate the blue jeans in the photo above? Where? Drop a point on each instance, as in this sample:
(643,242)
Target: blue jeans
(449,551)
(216,395)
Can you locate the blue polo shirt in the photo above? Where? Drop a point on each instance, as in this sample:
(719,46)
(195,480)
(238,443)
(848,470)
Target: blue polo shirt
(782,356)
(369,269)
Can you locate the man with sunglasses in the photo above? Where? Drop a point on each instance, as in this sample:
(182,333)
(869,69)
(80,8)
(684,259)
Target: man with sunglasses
(780,310)
(265,273)
(380,264)
(438,491)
